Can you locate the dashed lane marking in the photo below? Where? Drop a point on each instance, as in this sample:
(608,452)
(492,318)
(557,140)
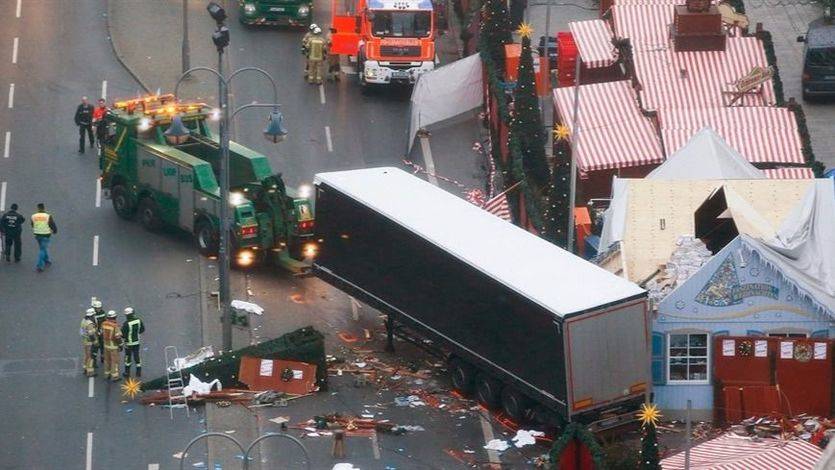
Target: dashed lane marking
(328,138)
(153,466)
(7,145)
(89,461)
(322,94)
(17,10)
(15,43)
(11,95)
(104,89)
(91,387)
(487,431)
(95,250)
(2,196)
(98,192)
(375,446)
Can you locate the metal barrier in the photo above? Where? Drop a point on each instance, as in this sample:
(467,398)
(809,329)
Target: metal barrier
(246,451)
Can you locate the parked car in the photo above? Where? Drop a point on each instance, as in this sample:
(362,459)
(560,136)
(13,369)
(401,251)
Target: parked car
(819,60)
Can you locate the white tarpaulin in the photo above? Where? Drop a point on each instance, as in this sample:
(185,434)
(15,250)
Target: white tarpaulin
(445,93)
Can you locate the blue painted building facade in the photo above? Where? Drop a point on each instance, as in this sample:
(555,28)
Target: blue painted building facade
(735,293)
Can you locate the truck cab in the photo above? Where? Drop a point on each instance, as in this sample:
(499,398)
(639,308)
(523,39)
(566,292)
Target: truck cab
(275,12)
(393,41)
(818,78)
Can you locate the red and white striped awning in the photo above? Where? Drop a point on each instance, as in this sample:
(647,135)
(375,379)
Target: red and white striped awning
(613,132)
(790,173)
(761,134)
(730,452)
(594,42)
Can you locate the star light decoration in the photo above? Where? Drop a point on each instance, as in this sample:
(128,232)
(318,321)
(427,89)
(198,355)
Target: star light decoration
(131,388)
(649,415)
(561,132)
(525,30)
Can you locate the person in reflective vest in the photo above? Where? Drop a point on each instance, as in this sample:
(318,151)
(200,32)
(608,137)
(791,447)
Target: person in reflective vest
(43,227)
(112,337)
(131,329)
(89,340)
(316,52)
(305,46)
(100,316)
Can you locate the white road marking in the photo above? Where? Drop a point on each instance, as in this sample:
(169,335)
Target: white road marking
(375,446)
(95,250)
(104,89)
(91,387)
(3,196)
(11,95)
(14,50)
(7,144)
(17,10)
(153,466)
(328,139)
(428,163)
(487,431)
(98,192)
(322,93)
(89,463)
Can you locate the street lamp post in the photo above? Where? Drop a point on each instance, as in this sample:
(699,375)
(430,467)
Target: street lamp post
(185,51)
(274,132)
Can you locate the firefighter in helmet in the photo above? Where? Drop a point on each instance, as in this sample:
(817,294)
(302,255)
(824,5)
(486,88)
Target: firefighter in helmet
(112,336)
(89,340)
(305,46)
(317,51)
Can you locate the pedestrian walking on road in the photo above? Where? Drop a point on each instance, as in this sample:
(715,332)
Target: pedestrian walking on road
(89,340)
(43,227)
(316,52)
(84,121)
(98,120)
(11,225)
(99,315)
(131,329)
(112,337)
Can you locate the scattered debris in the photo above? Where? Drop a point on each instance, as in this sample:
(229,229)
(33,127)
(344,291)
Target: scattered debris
(198,387)
(193,359)
(345,466)
(297,378)
(498,445)
(525,438)
(813,429)
(247,307)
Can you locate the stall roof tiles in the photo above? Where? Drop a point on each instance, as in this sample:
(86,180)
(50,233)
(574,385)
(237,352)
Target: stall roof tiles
(594,41)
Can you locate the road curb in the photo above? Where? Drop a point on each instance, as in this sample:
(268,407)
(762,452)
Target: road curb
(116,51)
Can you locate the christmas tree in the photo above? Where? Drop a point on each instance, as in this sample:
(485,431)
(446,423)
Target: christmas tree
(495,31)
(556,206)
(526,123)
(649,416)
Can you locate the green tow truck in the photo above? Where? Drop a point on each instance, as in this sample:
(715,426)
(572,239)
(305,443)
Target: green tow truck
(275,12)
(173,182)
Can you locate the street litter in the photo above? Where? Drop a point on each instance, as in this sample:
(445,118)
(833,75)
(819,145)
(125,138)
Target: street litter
(279,420)
(345,466)
(525,438)
(410,401)
(498,445)
(248,307)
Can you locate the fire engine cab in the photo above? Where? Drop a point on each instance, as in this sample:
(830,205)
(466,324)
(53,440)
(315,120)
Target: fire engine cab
(391,41)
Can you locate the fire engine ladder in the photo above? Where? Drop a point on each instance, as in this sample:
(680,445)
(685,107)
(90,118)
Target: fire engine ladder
(174,377)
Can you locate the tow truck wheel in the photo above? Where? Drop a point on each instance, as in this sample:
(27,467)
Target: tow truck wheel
(149,214)
(488,391)
(206,238)
(515,405)
(121,202)
(462,377)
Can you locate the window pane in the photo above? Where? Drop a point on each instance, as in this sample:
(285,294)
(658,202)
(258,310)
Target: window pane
(700,352)
(699,341)
(698,372)
(678,372)
(678,351)
(678,341)
(698,361)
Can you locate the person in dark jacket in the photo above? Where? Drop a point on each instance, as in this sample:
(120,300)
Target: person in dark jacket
(11,224)
(98,120)
(131,329)
(84,121)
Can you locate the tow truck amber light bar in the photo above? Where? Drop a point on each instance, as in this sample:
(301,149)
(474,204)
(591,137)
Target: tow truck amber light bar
(155,105)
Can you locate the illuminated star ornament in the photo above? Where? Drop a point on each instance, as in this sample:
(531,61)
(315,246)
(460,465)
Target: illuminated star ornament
(525,30)
(649,414)
(561,132)
(131,388)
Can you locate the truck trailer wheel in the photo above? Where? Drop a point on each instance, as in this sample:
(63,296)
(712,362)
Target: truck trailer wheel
(463,377)
(149,214)
(488,391)
(121,202)
(515,405)
(206,238)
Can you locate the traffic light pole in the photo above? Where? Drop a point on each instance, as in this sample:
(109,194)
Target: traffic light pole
(223,251)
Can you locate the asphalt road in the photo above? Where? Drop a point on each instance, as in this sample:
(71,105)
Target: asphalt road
(50,415)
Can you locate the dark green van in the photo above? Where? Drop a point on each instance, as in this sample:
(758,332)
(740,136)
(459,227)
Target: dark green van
(275,12)
(818,78)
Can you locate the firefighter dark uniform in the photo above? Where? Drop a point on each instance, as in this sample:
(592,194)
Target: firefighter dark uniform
(11,225)
(89,340)
(99,316)
(131,329)
(84,121)
(112,337)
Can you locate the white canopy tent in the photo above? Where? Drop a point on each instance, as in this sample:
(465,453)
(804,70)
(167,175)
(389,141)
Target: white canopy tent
(445,93)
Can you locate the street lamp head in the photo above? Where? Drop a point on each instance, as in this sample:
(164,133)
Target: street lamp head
(177,133)
(275,131)
(221,38)
(217,12)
